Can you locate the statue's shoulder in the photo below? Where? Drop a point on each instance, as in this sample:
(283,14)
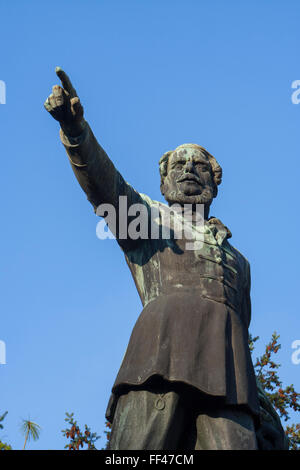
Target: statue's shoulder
(239,256)
(155,206)
(235,250)
(148,200)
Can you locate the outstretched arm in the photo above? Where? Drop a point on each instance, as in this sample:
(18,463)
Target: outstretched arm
(93,169)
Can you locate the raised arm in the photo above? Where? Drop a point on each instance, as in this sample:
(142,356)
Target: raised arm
(93,169)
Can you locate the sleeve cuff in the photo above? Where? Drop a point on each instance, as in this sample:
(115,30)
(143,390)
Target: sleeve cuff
(72,145)
(69,141)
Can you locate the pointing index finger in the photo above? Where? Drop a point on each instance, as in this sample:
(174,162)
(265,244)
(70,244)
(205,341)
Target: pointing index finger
(66,82)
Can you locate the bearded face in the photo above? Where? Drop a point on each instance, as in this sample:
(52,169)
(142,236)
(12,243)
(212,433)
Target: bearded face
(189,178)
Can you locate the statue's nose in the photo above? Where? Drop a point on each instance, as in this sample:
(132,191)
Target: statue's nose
(189,167)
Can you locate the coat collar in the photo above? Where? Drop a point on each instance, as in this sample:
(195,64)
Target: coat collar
(218,229)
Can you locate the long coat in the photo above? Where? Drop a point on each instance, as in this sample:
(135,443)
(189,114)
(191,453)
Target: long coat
(193,328)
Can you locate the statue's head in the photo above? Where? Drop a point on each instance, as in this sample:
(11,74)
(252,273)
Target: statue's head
(189,175)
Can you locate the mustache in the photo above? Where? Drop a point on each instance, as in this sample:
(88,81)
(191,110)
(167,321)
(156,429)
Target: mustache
(189,177)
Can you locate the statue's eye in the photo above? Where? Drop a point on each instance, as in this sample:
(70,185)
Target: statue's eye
(178,166)
(201,167)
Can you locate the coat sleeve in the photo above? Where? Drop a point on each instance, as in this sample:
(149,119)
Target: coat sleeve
(97,175)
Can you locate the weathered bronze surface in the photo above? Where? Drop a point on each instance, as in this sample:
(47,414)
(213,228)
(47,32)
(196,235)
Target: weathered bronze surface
(187,368)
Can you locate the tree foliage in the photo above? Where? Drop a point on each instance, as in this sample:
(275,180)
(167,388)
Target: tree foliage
(282,398)
(3,445)
(30,430)
(79,439)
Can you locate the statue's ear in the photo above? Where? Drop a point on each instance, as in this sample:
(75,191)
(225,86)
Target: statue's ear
(162,188)
(163,167)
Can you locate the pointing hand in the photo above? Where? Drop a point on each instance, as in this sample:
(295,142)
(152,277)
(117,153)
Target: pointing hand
(64,105)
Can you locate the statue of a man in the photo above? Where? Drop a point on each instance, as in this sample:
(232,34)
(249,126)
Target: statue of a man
(187,379)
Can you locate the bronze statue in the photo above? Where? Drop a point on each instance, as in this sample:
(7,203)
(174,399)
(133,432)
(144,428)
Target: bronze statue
(187,379)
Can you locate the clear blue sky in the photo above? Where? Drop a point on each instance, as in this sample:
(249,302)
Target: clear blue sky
(152,75)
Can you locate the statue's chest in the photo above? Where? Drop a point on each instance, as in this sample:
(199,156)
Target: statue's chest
(208,269)
(190,261)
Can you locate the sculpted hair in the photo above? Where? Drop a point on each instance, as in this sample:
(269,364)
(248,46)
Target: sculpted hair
(215,167)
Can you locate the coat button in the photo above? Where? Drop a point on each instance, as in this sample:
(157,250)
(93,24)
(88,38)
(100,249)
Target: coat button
(160,404)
